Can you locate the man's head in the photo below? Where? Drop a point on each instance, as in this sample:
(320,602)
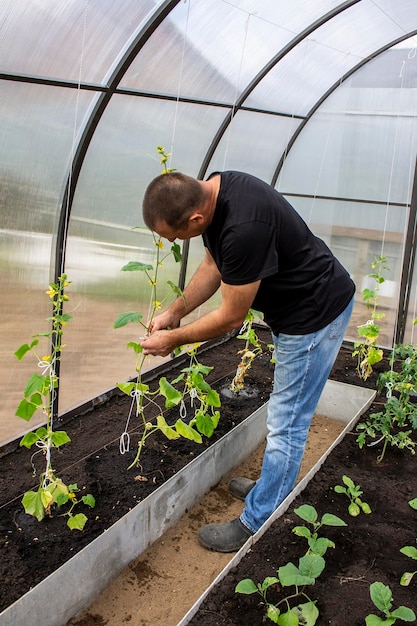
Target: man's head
(171,199)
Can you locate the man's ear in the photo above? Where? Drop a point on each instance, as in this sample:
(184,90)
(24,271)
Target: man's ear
(196,218)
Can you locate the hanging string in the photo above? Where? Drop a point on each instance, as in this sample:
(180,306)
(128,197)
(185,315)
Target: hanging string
(324,152)
(401,75)
(53,376)
(177,102)
(229,129)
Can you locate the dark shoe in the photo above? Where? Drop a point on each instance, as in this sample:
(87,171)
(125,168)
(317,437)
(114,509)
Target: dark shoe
(239,487)
(226,537)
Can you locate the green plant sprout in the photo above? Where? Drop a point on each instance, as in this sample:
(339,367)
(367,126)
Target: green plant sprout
(203,399)
(249,353)
(39,394)
(353,492)
(381,596)
(410,551)
(398,419)
(316,545)
(366,350)
(310,566)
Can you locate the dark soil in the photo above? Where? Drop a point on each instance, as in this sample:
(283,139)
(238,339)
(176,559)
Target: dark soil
(366,550)
(32,550)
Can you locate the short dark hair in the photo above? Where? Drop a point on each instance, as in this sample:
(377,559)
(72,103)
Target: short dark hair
(171,198)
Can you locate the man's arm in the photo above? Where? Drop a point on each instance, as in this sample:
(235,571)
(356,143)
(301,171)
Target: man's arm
(203,284)
(236,301)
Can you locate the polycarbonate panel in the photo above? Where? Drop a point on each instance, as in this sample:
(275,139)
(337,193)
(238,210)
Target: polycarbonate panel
(357,233)
(212,50)
(120,163)
(411,328)
(364,156)
(78,40)
(36,137)
(314,65)
(252,143)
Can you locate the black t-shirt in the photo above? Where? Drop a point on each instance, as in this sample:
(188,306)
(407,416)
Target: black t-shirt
(255,235)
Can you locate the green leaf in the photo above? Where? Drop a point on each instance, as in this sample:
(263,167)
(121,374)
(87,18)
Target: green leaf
(176,252)
(311,565)
(413,503)
(63,319)
(404,613)
(186,431)
(89,500)
(77,522)
(59,438)
(307,613)
(204,423)
(20,352)
(172,396)
(410,551)
(268,582)
(406,578)
(273,613)
(126,318)
(27,408)
(177,291)
(136,347)
(319,546)
(332,520)
(381,596)
(28,440)
(168,431)
(246,586)
(32,502)
(136,266)
(127,388)
(290,575)
(288,619)
(302,531)
(353,509)
(213,398)
(307,512)
(35,383)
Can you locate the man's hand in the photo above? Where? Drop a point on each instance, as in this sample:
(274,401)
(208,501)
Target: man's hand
(165,320)
(160,343)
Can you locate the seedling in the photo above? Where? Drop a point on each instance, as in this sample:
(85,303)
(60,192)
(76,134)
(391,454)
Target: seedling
(39,395)
(398,419)
(310,566)
(317,545)
(204,401)
(410,551)
(353,492)
(366,349)
(381,597)
(249,353)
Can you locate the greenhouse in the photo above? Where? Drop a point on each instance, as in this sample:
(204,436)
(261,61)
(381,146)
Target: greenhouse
(317,98)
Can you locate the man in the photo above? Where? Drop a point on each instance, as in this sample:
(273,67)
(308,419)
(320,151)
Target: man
(261,254)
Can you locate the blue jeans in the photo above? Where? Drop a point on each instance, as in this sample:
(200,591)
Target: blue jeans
(302,366)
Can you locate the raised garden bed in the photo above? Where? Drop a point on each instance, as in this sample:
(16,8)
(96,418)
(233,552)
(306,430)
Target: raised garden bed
(366,550)
(101,470)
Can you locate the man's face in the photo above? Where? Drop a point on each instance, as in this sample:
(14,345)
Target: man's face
(193,228)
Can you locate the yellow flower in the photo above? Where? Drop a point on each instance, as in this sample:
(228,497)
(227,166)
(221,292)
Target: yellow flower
(51,292)
(152,282)
(46,358)
(159,244)
(157,304)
